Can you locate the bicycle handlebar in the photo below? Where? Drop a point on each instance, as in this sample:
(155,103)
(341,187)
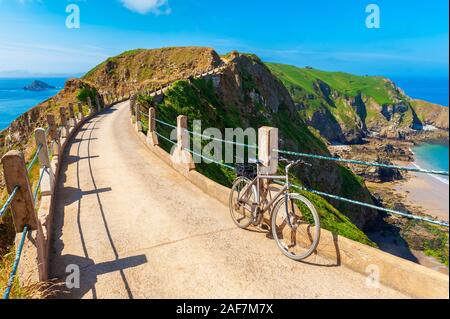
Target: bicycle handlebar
(294,163)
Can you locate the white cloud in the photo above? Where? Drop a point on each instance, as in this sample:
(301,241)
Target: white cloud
(145,6)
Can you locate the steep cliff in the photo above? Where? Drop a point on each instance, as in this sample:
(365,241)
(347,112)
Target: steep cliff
(345,108)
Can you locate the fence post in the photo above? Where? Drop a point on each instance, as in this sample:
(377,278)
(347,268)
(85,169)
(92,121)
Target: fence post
(64,123)
(138,118)
(91,108)
(22,205)
(152,138)
(97,102)
(48,178)
(73,120)
(53,133)
(267,142)
(132,105)
(80,111)
(181,156)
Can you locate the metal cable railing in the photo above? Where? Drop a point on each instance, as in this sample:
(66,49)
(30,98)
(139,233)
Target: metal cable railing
(375,164)
(210,159)
(35,158)
(221,140)
(351,201)
(15,267)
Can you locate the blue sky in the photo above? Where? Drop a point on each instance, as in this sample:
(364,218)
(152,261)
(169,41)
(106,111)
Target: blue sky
(327,34)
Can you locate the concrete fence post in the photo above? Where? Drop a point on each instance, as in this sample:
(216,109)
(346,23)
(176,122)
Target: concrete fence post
(91,108)
(152,138)
(22,205)
(133,105)
(138,117)
(73,120)
(48,177)
(64,122)
(80,111)
(54,134)
(97,102)
(267,143)
(181,157)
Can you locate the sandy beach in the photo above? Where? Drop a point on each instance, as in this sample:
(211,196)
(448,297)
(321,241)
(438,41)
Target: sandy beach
(428,192)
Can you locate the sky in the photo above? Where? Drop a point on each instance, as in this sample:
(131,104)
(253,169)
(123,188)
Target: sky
(412,38)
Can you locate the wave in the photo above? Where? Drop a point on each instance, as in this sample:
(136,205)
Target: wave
(439,178)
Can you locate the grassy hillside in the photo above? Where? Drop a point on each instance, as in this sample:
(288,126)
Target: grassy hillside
(345,107)
(348,84)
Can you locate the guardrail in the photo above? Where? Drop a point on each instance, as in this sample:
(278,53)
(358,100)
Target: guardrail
(22,201)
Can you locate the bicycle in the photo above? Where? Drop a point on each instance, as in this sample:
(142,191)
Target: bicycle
(294,221)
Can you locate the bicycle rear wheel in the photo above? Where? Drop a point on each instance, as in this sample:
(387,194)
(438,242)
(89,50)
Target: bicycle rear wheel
(299,238)
(242,202)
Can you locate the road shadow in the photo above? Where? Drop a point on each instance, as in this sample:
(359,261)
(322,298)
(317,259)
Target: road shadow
(79,275)
(66,196)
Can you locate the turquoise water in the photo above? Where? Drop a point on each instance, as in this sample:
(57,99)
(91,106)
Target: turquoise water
(14,100)
(433,156)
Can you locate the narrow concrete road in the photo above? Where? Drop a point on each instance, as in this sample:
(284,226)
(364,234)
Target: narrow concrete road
(137,229)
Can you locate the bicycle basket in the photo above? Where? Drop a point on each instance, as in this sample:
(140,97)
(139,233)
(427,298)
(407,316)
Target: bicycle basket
(246,170)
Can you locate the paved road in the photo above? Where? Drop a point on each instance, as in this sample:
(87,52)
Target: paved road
(137,229)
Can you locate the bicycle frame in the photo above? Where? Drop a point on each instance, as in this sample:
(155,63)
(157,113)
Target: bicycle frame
(257,182)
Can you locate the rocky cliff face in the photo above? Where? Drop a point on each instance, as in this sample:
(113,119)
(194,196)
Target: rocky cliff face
(345,108)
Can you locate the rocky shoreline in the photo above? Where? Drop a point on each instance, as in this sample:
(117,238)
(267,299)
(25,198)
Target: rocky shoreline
(406,192)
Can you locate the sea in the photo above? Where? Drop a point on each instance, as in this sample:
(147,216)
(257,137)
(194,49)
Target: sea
(435,90)
(14,100)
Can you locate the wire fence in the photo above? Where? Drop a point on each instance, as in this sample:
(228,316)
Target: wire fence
(320,157)
(25,232)
(374,164)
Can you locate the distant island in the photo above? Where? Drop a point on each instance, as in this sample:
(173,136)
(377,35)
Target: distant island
(38,86)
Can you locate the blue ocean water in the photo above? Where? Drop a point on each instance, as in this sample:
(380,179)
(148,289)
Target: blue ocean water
(431,89)
(433,156)
(14,100)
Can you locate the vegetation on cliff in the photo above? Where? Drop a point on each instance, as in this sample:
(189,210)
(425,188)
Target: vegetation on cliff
(346,108)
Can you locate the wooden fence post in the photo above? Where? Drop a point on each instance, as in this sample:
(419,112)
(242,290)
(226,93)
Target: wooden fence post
(152,138)
(80,111)
(91,108)
(97,102)
(138,118)
(73,120)
(54,134)
(48,178)
(22,205)
(64,122)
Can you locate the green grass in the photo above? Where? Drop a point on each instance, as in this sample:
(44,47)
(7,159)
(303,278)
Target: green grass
(345,83)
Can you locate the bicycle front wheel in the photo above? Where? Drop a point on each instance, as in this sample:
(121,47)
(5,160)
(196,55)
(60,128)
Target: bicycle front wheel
(242,202)
(296,226)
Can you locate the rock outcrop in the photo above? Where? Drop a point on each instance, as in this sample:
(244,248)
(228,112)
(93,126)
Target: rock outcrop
(38,86)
